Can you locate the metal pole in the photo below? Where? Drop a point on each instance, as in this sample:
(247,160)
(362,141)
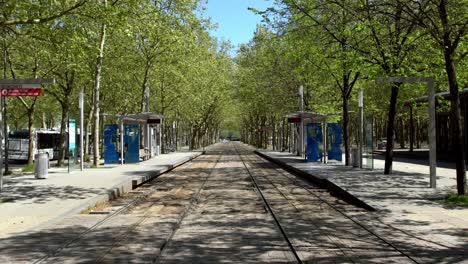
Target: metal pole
(361,125)
(301,109)
(1,147)
(325,142)
(432,134)
(121,142)
(81,105)
(5,134)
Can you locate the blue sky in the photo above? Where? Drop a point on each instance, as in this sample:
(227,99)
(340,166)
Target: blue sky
(235,22)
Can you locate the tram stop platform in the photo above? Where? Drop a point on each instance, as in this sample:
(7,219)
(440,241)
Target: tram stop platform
(403,202)
(27,204)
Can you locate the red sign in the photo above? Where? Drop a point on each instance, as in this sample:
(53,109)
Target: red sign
(20,92)
(294,120)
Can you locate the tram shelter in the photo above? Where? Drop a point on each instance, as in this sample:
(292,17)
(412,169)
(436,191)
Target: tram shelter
(122,141)
(313,138)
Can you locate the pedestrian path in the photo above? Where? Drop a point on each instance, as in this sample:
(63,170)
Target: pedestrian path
(27,203)
(402,200)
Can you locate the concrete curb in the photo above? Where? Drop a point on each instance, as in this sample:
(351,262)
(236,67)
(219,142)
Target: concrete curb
(321,182)
(116,191)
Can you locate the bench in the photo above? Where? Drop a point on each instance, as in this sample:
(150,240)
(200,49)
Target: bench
(144,154)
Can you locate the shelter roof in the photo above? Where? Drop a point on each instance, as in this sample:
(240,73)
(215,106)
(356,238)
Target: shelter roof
(138,117)
(308,115)
(141,117)
(444,95)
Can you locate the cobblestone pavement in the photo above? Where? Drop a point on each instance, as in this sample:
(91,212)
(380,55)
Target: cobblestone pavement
(210,211)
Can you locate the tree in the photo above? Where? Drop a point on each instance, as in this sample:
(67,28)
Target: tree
(333,27)
(32,12)
(97,86)
(446,21)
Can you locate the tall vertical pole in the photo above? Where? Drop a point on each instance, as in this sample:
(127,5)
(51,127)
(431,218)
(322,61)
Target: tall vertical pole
(121,141)
(1,110)
(361,125)
(5,134)
(81,105)
(301,130)
(432,133)
(1,147)
(146,126)
(3,106)
(325,141)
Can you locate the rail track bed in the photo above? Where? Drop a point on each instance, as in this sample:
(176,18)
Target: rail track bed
(227,206)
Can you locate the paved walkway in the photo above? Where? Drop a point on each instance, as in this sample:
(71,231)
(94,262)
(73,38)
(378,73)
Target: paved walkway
(29,203)
(403,200)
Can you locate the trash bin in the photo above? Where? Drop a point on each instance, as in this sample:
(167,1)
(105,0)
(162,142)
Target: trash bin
(41,165)
(355,157)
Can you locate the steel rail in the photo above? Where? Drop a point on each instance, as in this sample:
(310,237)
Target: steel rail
(336,208)
(270,210)
(194,200)
(124,208)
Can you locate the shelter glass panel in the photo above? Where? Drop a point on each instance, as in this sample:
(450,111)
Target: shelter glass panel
(132,143)
(334,139)
(369,143)
(314,142)
(111,143)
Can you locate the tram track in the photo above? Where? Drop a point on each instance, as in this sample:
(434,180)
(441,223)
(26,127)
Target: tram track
(307,187)
(194,200)
(270,210)
(230,204)
(150,188)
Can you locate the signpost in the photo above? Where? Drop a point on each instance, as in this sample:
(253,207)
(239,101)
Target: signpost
(17,87)
(71,144)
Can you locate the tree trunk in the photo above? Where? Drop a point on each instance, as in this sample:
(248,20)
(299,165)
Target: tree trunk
(97,90)
(89,122)
(63,127)
(457,135)
(31,136)
(402,133)
(391,128)
(411,129)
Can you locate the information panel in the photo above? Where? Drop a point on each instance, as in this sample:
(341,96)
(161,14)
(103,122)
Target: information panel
(314,142)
